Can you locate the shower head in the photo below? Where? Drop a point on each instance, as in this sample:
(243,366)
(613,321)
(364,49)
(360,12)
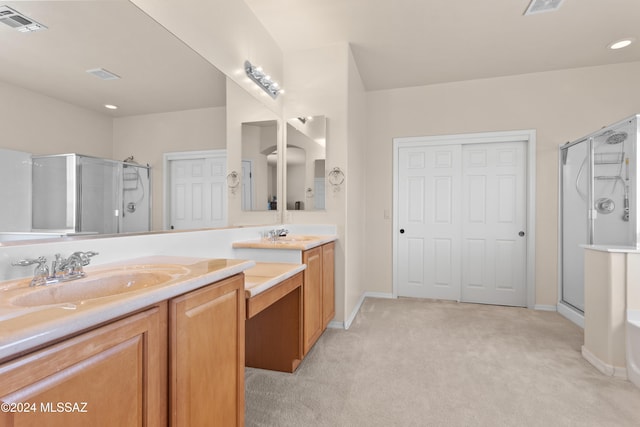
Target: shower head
(616,138)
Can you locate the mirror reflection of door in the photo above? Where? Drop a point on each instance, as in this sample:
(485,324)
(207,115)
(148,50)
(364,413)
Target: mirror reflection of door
(196,192)
(306,152)
(247,185)
(259,183)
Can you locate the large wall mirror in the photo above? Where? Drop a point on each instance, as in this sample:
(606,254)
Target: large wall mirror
(169,98)
(305,158)
(259,175)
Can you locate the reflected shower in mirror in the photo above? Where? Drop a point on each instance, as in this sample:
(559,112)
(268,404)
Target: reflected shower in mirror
(306,153)
(259,165)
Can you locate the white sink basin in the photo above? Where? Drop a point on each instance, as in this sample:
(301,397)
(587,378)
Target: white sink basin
(99,285)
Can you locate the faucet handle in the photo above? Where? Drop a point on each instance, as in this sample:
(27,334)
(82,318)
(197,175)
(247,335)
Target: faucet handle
(41,272)
(30,261)
(83,257)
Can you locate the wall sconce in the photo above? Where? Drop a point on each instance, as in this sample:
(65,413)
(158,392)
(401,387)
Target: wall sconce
(261,79)
(233,181)
(336,178)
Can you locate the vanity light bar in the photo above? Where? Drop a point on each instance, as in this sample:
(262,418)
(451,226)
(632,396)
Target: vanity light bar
(261,79)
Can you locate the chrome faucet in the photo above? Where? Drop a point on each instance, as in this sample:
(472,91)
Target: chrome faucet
(62,270)
(275,233)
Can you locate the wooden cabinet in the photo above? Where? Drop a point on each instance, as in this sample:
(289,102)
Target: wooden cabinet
(178,363)
(312,297)
(328,283)
(274,327)
(318,292)
(112,375)
(206,358)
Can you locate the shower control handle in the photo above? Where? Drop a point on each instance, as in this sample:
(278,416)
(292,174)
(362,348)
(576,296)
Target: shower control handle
(521,234)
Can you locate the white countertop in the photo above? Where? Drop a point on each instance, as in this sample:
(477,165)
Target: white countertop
(265,275)
(24,328)
(612,248)
(289,242)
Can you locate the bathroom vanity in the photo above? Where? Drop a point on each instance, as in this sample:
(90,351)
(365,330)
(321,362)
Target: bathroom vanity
(170,352)
(318,254)
(274,326)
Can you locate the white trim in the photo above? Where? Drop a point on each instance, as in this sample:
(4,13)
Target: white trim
(542,307)
(334,324)
(605,368)
(571,314)
(180,155)
(356,309)
(527,136)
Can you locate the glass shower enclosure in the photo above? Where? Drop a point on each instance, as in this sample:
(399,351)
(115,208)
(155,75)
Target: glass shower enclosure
(598,201)
(73,193)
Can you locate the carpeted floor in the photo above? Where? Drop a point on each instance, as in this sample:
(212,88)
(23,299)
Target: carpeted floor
(407,362)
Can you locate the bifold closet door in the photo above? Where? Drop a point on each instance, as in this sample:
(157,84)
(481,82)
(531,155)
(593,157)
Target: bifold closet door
(462,216)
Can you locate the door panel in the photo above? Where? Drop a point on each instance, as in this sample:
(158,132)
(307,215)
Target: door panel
(429,249)
(493,206)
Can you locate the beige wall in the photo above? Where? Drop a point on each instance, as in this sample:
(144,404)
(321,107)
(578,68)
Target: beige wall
(226,33)
(39,124)
(561,106)
(147,137)
(357,240)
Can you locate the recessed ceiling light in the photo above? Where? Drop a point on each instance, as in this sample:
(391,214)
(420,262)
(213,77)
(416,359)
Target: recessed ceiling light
(621,43)
(111,106)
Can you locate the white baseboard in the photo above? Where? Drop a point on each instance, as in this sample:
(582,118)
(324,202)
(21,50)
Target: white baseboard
(356,309)
(605,368)
(334,324)
(542,307)
(571,314)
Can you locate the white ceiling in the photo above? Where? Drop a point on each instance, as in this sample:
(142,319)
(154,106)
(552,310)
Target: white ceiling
(159,73)
(396,43)
(402,43)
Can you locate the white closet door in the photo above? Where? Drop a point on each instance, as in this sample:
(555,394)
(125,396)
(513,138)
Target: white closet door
(429,218)
(462,217)
(494,220)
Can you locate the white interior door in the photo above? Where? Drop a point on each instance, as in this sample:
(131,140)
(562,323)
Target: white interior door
(494,221)
(198,193)
(429,219)
(247,185)
(461,210)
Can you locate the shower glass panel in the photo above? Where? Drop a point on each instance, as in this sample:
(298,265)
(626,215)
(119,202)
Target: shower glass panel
(82,194)
(613,151)
(574,194)
(98,195)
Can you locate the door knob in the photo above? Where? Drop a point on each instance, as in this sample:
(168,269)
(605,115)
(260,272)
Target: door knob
(402,231)
(521,233)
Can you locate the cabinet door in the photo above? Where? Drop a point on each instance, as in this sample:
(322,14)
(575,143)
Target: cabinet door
(206,356)
(328,284)
(312,297)
(114,375)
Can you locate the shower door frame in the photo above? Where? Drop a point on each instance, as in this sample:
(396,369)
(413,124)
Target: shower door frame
(575,314)
(565,308)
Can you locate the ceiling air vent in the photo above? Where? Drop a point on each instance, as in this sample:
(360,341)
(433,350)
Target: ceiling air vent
(539,6)
(103,74)
(18,21)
